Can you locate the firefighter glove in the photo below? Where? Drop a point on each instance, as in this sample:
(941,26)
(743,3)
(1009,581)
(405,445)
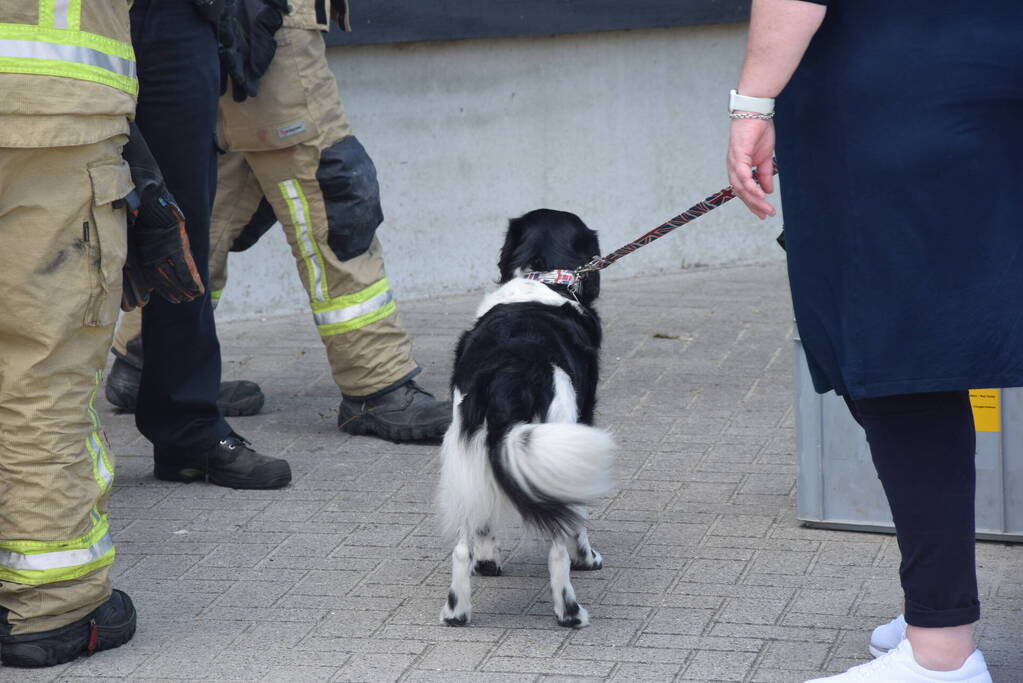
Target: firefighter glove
(159,257)
(162,251)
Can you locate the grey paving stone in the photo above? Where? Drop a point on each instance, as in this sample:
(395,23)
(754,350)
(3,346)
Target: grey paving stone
(719,666)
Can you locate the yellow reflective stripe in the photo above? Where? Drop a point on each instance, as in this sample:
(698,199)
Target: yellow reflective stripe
(48,50)
(340,315)
(56,36)
(298,207)
(65,70)
(38,562)
(74,14)
(362,296)
(352,311)
(356,323)
(46,12)
(102,470)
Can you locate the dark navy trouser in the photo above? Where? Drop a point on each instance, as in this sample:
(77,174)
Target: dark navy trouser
(179,78)
(924,449)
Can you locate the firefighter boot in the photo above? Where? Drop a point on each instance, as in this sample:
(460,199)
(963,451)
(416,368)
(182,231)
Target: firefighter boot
(402,413)
(111,625)
(232,462)
(237,398)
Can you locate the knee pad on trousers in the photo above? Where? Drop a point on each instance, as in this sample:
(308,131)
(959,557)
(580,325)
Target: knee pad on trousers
(348,180)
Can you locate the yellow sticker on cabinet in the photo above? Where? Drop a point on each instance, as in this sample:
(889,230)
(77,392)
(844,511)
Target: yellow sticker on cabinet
(986,413)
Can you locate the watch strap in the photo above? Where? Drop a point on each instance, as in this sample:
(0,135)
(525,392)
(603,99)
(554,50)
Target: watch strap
(758,105)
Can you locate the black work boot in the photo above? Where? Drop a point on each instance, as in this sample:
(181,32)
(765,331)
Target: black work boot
(405,413)
(231,462)
(236,399)
(110,625)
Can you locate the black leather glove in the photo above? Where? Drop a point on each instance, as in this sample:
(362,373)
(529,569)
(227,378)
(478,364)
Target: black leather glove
(247,44)
(159,255)
(261,221)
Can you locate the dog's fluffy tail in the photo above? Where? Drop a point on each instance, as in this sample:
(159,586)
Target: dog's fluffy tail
(545,469)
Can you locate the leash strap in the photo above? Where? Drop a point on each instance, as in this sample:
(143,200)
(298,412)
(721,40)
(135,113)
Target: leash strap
(709,204)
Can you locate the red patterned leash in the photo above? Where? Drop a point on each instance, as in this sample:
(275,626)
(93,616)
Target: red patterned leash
(710,203)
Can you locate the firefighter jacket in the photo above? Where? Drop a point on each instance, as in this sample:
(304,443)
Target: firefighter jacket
(68,72)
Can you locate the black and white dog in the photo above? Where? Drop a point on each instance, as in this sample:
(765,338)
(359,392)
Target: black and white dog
(524,389)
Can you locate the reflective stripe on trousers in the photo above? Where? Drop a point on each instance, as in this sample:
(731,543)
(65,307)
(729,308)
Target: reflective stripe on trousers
(340,314)
(101,469)
(353,311)
(57,46)
(298,206)
(38,562)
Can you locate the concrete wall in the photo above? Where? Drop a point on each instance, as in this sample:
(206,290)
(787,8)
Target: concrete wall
(625,128)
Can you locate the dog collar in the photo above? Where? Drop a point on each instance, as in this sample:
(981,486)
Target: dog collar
(555,277)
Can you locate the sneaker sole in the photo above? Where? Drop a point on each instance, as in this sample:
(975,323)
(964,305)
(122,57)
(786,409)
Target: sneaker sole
(877,651)
(280,476)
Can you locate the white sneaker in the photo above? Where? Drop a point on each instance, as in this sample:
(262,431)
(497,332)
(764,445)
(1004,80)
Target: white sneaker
(887,637)
(899,666)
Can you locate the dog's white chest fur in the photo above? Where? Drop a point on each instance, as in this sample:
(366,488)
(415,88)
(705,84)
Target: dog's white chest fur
(521,290)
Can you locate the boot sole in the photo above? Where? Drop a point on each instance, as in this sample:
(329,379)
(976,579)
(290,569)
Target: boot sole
(361,427)
(280,476)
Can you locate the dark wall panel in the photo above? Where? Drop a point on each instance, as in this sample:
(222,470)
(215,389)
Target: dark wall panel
(399,21)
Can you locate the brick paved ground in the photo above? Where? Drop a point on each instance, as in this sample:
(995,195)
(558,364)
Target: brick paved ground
(341,576)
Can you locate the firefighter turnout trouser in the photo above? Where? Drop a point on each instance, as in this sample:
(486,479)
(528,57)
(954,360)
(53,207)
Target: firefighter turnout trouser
(354,311)
(351,301)
(62,246)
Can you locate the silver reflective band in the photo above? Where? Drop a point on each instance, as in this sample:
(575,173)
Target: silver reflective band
(57,560)
(101,467)
(343,315)
(295,197)
(60,18)
(28,49)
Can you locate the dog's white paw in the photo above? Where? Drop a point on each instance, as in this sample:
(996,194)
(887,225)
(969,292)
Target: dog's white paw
(574,615)
(487,568)
(589,561)
(456,612)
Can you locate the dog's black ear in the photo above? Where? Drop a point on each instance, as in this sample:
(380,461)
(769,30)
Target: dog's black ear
(512,240)
(589,243)
(590,290)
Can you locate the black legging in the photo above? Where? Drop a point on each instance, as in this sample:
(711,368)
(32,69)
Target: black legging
(923,446)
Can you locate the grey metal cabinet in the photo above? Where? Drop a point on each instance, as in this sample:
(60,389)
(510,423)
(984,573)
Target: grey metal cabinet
(838,487)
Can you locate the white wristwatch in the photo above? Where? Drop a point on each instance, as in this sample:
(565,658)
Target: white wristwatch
(757,105)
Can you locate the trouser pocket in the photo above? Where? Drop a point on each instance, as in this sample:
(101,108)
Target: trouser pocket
(106,243)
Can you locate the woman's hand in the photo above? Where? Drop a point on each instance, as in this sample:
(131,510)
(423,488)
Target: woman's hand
(751,145)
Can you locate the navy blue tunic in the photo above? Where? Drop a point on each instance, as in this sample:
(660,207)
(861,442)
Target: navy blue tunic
(900,148)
